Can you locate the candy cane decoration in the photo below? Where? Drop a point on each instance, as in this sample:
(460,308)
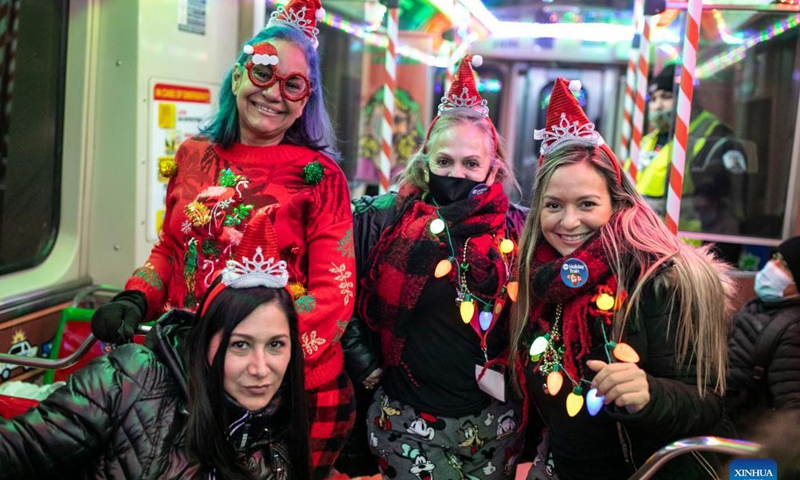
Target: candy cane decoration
(630,79)
(641,93)
(387,127)
(675,189)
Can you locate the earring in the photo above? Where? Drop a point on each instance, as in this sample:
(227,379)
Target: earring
(426,175)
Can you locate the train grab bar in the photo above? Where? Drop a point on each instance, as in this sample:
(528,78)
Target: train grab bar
(59,363)
(738,448)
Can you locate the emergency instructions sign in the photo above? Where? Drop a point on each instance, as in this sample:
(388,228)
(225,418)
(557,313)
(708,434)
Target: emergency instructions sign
(177,110)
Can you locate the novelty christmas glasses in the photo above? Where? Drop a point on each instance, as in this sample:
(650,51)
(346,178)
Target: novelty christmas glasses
(294,87)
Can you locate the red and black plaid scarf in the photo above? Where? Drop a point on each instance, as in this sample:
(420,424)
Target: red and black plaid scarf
(406,255)
(548,290)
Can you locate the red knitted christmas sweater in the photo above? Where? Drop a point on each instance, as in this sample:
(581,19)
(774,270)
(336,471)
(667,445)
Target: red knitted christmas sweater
(209,200)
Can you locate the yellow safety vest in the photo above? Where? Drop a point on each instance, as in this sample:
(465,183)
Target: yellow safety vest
(653,176)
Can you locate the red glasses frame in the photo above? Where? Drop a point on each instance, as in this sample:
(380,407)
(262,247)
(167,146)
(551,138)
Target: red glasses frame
(283,78)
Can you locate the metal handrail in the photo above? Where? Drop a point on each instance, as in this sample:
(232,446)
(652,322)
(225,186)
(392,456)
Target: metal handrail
(93,289)
(729,446)
(59,363)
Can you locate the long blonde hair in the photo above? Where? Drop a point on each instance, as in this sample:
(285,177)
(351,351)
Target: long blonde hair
(415,170)
(638,245)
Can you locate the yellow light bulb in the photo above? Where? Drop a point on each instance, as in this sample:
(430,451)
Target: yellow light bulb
(467,310)
(625,353)
(512,288)
(443,268)
(437,226)
(574,403)
(554,382)
(507,246)
(605,302)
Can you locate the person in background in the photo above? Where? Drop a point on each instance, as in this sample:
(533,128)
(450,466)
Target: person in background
(269,148)
(764,371)
(214,395)
(436,266)
(714,155)
(632,356)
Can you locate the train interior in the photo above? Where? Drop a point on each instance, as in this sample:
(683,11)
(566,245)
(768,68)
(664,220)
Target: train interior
(94,94)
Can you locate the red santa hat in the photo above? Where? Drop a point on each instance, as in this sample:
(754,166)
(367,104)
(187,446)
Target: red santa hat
(567,124)
(463,96)
(300,14)
(263,53)
(255,262)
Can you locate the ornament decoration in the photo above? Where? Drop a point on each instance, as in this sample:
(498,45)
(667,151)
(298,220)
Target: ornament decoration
(512,288)
(467,309)
(624,352)
(507,246)
(605,302)
(313,173)
(444,267)
(575,401)
(554,381)
(167,167)
(594,402)
(437,226)
(485,318)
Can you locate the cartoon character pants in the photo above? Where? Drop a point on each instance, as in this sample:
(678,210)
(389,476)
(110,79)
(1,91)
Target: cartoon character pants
(413,445)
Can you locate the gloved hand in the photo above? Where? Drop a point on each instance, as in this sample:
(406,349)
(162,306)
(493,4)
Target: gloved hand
(116,321)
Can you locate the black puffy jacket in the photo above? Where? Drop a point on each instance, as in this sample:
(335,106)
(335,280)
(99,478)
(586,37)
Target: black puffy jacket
(746,398)
(121,416)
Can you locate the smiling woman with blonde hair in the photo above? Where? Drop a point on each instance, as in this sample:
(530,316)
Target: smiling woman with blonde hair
(632,355)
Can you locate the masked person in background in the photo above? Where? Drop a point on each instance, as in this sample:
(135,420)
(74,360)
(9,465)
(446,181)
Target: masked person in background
(712,154)
(268,148)
(764,372)
(436,270)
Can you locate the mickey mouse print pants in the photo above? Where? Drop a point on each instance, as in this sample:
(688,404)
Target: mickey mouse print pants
(413,445)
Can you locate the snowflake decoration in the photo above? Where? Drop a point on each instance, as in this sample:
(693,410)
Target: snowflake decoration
(311,343)
(343,277)
(257,272)
(566,132)
(345,246)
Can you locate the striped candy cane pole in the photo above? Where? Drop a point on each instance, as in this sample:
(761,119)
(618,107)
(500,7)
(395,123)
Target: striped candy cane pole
(630,79)
(387,126)
(675,189)
(639,100)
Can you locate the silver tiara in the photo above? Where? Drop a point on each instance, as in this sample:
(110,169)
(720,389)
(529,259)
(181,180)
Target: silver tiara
(290,18)
(466,101)
(257,272)
(566,133)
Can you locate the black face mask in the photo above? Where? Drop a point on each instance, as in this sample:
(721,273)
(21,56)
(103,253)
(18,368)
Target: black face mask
(446,190)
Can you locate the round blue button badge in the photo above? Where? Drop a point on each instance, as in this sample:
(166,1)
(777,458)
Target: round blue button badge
(574,273)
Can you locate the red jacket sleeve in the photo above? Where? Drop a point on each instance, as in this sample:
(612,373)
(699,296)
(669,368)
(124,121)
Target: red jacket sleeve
(153,278)
(331,278)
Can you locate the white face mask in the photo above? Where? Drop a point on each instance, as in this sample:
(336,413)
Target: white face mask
(771,282)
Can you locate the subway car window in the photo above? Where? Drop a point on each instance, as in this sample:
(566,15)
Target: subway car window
(32,66)
(741,137)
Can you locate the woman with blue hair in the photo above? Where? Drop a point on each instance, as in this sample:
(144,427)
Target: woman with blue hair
(269,150)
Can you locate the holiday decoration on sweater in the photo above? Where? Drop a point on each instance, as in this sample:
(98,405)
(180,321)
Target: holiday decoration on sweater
(567,124)
(463,96)
(301,15)
(313,172)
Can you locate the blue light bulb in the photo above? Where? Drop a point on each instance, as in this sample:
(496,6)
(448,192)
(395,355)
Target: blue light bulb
(593,402)
(485,319)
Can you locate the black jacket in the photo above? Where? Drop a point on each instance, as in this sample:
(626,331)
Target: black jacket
(781,387)
(675,410)
(121,416)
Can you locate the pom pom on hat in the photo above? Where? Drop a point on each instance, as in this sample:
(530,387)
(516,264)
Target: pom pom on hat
(477,61)
(575,85)
(248,49)
(320,14)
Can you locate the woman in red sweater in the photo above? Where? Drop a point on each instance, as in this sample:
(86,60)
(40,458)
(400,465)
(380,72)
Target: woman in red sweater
(267,150)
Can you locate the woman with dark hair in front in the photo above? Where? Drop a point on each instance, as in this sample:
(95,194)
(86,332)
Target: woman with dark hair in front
(269,146)
(215,396)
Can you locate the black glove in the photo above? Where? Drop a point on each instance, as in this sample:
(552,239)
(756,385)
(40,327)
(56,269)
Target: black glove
(116,321)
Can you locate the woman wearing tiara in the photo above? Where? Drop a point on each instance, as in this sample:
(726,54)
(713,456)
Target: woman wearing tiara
(621,327)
